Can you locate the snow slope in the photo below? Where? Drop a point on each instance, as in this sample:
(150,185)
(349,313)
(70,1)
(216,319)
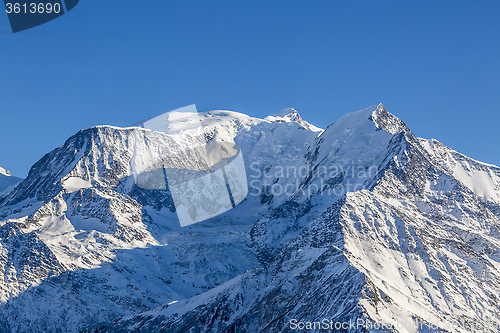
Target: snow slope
(481,178)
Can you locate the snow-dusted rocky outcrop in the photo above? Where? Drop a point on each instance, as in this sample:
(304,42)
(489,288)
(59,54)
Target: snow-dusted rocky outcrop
(360,223)
(7,182)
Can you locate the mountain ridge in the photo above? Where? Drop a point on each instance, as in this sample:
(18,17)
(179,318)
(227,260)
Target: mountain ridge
(377,220)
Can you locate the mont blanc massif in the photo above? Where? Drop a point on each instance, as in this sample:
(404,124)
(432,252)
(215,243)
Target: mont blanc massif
(360,227)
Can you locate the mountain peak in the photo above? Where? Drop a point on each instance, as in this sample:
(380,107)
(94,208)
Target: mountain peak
(7,182)
(5,172)
(288,115)
(387,121)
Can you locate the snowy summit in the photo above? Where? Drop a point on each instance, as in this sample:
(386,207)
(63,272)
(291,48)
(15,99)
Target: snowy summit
(291,115)
(5,172)
(7,181)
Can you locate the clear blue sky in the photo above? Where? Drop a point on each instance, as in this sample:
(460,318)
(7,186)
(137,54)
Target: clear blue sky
(434,64)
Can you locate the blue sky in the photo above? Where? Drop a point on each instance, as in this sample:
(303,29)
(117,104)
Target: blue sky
(434,64)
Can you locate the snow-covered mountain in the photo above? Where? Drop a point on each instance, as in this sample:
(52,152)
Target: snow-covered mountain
(288,115)
(7,182)
(4,172)
(361,222)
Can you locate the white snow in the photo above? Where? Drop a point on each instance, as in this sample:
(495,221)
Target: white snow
(7,182)
(174,121)
(289,115)
(73,184)
(480,182)
(4,172)
(481,178)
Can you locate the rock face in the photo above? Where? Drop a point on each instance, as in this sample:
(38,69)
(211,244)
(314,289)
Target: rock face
(362,225)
